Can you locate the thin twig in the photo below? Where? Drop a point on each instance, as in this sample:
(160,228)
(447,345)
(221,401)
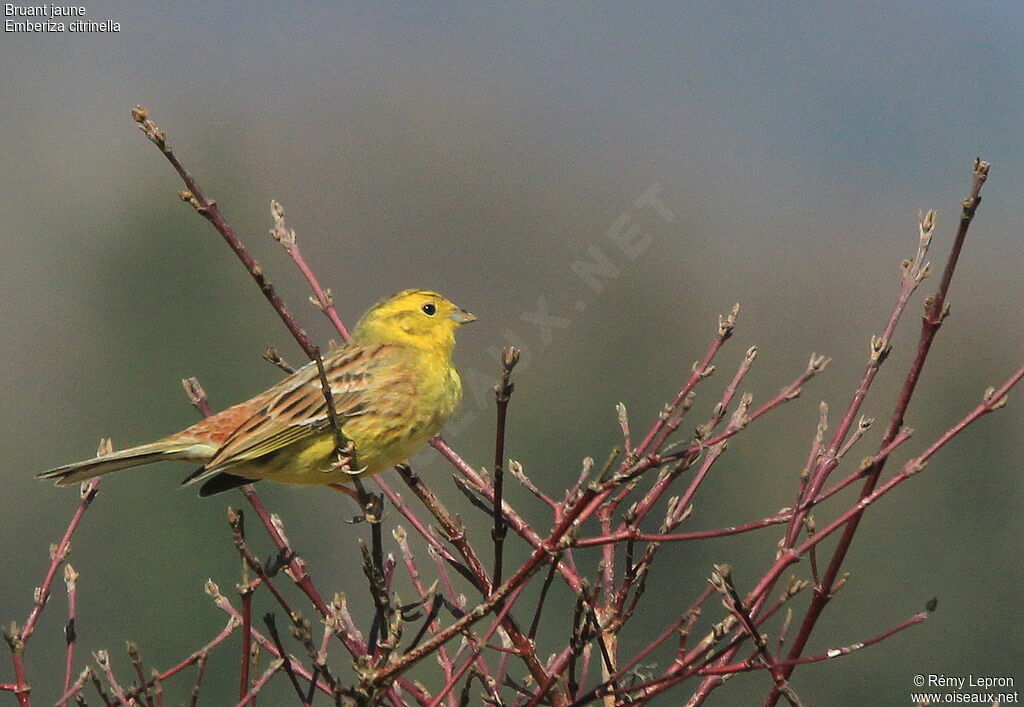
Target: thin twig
(322,298)
(224,605)
(502,394)
(700,370)
(17,638)
(140,673)
(103,660)
(721,579)
(262,680)
(200,672)
(74,688)
(654,687)
(454,531)
(70,629)
(208,209)
(157,678)
(935,313)
(271,624)
(512,518)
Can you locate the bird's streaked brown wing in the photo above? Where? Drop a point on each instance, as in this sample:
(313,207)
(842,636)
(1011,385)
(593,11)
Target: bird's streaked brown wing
(296,408)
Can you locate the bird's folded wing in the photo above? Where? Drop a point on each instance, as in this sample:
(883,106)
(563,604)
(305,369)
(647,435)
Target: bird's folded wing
(298,407)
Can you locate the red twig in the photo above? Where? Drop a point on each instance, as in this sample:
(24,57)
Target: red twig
(455,532)
(684,622)
(103,660)
(70,634)
(88,493)
(935,313)
(635,535)
(994,399)
(827,655)
(514,520)
(17,638)
(209,210)
(224,605)
(914,271)
(502,394)
(434,625)
(246,660)
(75,687)
(275,665)
(649,689)
(702,369)
(322,298)
(194,658)
(502,613)
(586,505)
(297,569)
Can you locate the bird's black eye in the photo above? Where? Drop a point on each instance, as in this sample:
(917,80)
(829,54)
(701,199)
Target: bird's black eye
(429,309)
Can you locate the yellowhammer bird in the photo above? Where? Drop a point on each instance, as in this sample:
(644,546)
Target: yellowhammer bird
(393,384)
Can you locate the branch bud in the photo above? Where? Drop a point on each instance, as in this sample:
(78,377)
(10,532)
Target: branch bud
(993,405)
(721,577)
(212,589)
(70,577)
(280,232)
(817,364)
(727,324)
(620,411)
(926,222)
(509,358)
(879,349)
(795,587)
(739,417)
(915,466)
(195,392)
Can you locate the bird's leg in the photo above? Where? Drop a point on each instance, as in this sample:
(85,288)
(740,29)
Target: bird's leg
(346,461)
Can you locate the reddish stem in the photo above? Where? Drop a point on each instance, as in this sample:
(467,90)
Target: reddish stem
(243,680)
(634,534)
(89,491)
(71,580)
(286,237)
(649,689)
(514,520)
(934,315)
(659,432)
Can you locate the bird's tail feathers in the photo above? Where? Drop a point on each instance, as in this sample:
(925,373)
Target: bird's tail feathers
(185,450)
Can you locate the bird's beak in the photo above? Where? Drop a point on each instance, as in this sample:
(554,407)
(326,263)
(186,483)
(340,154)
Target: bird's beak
(462,316)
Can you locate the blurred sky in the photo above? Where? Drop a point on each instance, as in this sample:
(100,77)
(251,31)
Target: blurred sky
(486,150)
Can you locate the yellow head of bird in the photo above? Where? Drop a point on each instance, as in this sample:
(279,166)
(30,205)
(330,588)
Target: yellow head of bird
(420,318)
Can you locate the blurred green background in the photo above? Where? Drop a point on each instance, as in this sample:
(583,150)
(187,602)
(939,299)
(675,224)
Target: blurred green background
(483,149)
